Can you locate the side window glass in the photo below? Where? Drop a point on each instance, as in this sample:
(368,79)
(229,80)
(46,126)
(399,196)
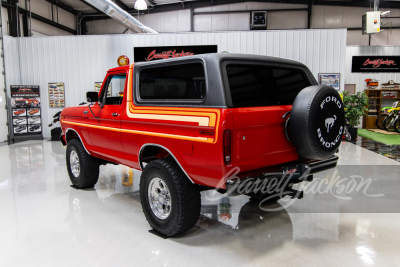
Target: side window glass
(115,90)
(174,82)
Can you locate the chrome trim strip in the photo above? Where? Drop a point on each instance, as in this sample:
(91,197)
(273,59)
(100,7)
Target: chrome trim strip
(66,132)
(150,144)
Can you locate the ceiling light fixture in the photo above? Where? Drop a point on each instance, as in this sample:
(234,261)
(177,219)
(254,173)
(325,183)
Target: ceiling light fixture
(140,5)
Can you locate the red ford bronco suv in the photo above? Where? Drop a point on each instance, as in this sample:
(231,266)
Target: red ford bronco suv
(188,122)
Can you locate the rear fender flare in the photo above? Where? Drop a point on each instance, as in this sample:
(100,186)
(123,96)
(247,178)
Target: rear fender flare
(166,149)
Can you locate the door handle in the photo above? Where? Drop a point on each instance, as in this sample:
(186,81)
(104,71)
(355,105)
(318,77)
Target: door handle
(115,114)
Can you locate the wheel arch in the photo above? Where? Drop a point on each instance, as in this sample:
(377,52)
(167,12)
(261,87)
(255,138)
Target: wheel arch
(73,134)
(148,146)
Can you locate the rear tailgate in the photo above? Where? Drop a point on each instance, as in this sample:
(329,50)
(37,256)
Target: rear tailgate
(259,139)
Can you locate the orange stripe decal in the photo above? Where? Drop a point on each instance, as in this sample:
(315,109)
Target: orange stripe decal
(203,116)
(191,138)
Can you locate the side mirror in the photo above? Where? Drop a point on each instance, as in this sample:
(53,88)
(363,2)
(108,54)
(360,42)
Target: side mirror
(92,97)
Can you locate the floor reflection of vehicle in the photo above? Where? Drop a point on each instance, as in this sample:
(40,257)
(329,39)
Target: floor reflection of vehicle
(231,217)
(28,168)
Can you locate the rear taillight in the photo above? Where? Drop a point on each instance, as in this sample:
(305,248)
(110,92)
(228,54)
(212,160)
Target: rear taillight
(227,147)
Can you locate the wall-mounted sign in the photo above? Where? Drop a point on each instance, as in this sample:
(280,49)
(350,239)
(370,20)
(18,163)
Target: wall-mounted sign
(164,52)
(25,104)
(258,20)
(375,64)
(56,95)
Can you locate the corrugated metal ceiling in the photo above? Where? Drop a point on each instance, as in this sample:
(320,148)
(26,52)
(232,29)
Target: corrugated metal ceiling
(81,6)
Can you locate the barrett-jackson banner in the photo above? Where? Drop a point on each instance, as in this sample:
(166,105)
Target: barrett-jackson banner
(163,52)
(375,64)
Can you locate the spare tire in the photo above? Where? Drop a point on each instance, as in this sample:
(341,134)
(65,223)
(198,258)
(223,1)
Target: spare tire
(317,122)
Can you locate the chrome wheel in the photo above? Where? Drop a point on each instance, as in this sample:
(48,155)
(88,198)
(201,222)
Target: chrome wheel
(74,163)
(159,198)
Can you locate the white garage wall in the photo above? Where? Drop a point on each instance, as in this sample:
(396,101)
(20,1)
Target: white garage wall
(327,17)
(323,17)
(241,21)
(79,61)
(179,21)
(46,29)
(3,111)
(43,8)
(359,78)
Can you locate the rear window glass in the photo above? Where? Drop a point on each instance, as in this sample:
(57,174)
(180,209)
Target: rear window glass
(258,85)
(184,81)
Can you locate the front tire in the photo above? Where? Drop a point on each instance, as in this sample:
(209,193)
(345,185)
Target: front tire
(170,202)
(379,121)
(83,169)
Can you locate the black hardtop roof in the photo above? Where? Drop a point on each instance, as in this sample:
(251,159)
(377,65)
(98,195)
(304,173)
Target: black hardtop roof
(226,56)
(234,56)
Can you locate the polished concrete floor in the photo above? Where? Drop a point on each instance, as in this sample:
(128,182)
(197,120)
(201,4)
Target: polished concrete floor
(389,151)
(45,222)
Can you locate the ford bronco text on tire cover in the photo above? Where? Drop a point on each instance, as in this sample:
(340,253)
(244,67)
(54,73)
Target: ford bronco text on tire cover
(187,122)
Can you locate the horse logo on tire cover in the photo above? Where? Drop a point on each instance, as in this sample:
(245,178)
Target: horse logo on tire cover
(329,122)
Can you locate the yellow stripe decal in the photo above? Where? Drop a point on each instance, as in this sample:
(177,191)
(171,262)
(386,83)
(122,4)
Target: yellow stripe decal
(203,121)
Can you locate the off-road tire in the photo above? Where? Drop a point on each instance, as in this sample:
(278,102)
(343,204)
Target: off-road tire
(379,121)
(89,166)
(185,197)
(396,125)
(387,121)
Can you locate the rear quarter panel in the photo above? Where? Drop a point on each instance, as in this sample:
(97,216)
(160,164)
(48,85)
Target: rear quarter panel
(178,130)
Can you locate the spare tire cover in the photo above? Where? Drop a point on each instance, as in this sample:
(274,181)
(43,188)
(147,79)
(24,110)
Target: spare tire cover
(317,122)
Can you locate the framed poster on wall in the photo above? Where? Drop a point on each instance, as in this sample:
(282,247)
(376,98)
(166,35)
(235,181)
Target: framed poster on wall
(25,105)
(97,87)
(56,95)
(330,79)
(151,53)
